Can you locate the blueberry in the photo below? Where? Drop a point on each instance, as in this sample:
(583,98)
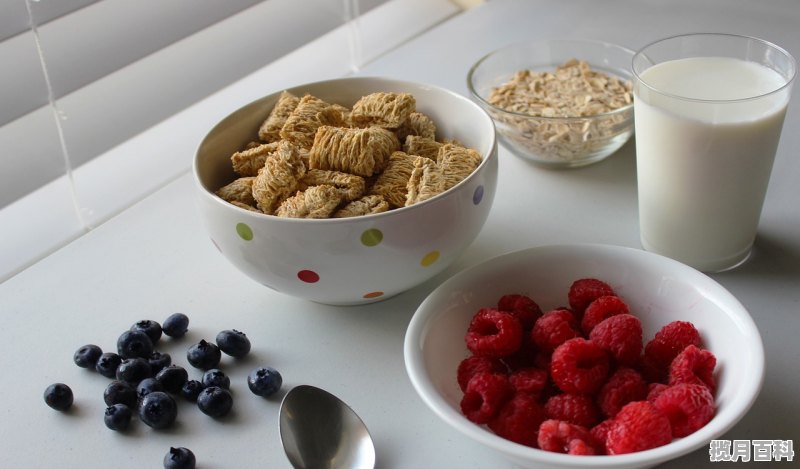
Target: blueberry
(107,364)
(120,392)
(133,344)
(191,389)
(58,396)
(215,377)
(204,355)
(149,327)
(118,417)
(158,361)
(264,381)
(133,370)
(215,401)
(87,356)
(147,386)
(158,410)
(179,458)
(176,325)
(234,343)
(172,378)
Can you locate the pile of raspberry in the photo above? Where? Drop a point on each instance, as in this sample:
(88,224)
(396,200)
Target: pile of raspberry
(580,379)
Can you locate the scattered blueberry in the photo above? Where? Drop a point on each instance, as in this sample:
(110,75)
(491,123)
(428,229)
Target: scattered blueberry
(147,386)
(158,361)
(87,356)
(133,370)
(118,417)
(107,364)
(149,327)
(172,378)
(58,396)
(120,392)
(133,344)
(191,389)
(234,343)
(179,458)
(158,410)
(215,401)
(204,355)
(176,325)
(264,381)
(215,377)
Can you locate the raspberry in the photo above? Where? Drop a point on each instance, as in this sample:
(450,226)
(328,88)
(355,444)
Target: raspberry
(524,357)
(637,427)
(485,395)
(528,381)
(519,420)
(554,328)
(599,433)
(470,366)
(563,437)
(493,333)
(521,306)
(584,291)
(624,386)
(621,337)
(602,308)
(687,406)
(578,409)
(667,344)
(579,366)
(694,366)
(654,390)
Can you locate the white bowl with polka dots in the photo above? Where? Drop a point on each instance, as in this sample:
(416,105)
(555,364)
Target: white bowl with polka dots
(350,261)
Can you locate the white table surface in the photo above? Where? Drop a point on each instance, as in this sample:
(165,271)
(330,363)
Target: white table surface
(155,259)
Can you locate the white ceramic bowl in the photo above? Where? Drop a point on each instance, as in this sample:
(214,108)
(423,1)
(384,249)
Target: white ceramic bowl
(350,260)
(658,290)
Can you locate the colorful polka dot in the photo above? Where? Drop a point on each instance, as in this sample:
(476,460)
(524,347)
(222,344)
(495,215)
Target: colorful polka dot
(374,294)
(308,276)
(371,237)
(477,196)
(244,231)
(429,258)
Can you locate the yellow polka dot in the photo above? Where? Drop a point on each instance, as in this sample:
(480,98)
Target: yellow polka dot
(429,258)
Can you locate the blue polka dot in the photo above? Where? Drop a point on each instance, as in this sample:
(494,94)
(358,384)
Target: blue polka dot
(477,196)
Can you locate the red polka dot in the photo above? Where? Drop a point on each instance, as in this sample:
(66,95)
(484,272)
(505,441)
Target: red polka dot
(308,276)
(374,294)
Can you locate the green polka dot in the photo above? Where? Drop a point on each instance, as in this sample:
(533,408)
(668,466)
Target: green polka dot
(244,231)
(371,237)
(429,258)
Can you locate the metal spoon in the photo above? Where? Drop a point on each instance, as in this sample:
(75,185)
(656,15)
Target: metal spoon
(319,431)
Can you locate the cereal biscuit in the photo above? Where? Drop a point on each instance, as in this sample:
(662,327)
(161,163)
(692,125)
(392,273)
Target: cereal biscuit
(271,128)
(457,163)
(314,202)
(427,180)
(362,152)
(350,185)
(240,190)
(421,146)
(364,206)
(387,110)
(310,113)
(279,178)
(417,124)
(245,206)
(392,183)
(249,161)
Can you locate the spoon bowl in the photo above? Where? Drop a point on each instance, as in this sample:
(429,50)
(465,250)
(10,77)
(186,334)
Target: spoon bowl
(320,431)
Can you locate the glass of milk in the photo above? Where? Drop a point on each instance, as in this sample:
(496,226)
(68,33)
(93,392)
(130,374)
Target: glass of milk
(708,111)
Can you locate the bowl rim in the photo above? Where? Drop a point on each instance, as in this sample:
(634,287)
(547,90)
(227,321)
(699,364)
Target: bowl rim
(415,368)
(475,94)
(485,160)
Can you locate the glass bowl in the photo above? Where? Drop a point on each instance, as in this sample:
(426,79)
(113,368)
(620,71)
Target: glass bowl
(558,142)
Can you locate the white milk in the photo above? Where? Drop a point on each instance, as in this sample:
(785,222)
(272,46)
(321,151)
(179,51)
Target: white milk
(703,167)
